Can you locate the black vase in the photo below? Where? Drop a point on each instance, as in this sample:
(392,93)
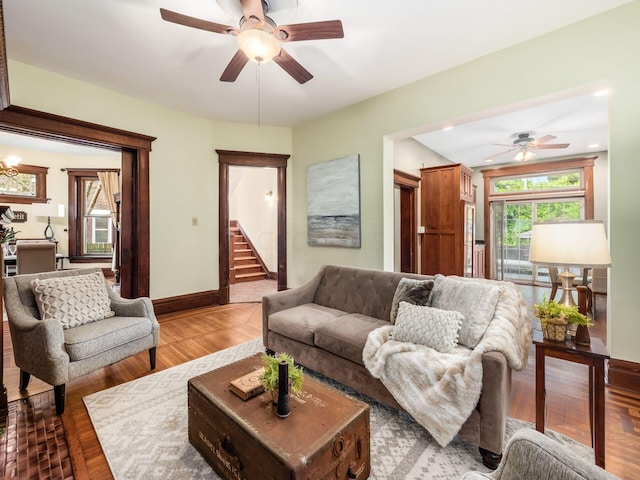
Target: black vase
(284,407)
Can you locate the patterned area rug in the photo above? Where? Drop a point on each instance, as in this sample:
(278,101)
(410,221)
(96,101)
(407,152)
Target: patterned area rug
(142,427)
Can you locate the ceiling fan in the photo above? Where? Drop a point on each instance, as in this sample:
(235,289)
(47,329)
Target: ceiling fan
(525,144)
(259,38)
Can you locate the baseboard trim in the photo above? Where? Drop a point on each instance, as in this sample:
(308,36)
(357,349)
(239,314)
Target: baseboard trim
(624,375)
(272,275)
(209,298)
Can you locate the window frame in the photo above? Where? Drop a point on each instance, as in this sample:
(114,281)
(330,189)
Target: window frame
(76,219)
(41,186)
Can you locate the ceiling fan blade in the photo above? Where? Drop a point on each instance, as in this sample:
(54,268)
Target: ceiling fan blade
(545,139)
(252,8)
(552,145)
(501,153)
(292,67)
(234,67)
(187,21)
(310,31)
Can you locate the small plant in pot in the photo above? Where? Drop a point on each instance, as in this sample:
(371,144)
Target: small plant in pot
(555,317)
(270,376)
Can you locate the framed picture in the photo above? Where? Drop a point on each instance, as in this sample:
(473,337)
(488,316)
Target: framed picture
(333,203)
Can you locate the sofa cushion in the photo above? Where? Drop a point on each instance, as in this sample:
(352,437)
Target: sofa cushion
(94,338)
(475,300)
(428,326)
(73,300)
(300,323)
(415,292)
(345,336)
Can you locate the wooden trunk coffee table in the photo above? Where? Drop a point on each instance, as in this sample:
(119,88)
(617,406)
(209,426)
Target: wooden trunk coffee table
(325,436)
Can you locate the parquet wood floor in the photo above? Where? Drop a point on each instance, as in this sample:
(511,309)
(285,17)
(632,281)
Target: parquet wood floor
(192,334)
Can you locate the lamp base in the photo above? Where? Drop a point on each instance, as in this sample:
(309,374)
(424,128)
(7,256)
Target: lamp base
(48,231)
(566,277)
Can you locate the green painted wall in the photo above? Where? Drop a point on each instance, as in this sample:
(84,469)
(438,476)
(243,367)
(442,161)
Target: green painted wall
(183,170)
(602,48)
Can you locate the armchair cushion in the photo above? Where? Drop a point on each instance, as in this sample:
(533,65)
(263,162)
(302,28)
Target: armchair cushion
(94,338)
(72,300)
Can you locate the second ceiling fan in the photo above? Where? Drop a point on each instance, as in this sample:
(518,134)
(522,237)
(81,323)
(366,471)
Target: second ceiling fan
(525,144)
(259,38)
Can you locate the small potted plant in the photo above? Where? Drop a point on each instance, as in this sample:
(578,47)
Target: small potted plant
(555,317)
(270,376)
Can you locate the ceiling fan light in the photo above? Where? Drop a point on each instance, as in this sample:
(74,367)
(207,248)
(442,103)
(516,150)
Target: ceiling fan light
(258,45)
(524,155)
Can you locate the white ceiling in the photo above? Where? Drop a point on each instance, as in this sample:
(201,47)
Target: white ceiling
(124,45)
(581,121)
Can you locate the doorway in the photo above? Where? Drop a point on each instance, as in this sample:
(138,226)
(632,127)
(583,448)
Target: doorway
(406,218)
(134,149)
(226,159)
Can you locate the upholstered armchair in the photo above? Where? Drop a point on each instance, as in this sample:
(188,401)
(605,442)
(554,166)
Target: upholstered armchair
(35,257)
(533,456)
(69,323)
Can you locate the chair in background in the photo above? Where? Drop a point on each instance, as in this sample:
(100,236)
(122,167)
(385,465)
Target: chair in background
(556,283)
(597,286)
(35,257)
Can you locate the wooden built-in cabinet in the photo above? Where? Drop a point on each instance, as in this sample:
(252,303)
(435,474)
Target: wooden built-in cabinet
(448,215)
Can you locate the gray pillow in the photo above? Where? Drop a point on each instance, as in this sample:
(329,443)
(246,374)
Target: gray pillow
(415,292)
(432,327)
(476,301)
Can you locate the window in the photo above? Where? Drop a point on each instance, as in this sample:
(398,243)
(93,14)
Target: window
(556,181)
(523,194)
(29,186)
(90,225)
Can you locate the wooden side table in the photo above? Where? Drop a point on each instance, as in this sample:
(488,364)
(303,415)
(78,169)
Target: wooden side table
(593,356)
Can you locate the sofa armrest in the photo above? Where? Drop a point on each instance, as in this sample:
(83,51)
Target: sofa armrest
(285,299)
(494,401)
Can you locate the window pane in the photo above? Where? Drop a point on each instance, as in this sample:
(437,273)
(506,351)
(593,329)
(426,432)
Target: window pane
(552,181)
(23,184)
(97,219)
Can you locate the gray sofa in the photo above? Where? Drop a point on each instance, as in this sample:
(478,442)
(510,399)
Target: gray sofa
(533,456)
(324,324)
(56,355)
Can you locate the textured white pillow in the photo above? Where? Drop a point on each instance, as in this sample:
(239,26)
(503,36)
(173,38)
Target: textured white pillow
(432,327)
(74,300)
(476,301)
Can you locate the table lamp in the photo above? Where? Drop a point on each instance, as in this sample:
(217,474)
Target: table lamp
(47,210)
(569,244)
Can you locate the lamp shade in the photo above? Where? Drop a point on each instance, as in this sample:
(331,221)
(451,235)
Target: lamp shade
(570,244)
(47,210)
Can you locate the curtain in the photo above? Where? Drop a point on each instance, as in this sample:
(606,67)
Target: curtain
(110,184)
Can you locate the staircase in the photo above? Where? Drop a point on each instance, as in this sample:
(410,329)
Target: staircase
(245,264)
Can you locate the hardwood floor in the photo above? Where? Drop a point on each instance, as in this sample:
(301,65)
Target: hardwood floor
(192,334)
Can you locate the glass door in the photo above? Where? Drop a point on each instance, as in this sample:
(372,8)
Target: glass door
(512,222)
(497,240)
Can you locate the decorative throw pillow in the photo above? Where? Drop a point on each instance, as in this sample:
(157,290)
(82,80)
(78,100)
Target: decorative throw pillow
(415,292)
(476,301)
(74,300)
(432,327)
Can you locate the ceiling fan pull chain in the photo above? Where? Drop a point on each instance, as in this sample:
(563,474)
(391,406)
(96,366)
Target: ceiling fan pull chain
(258,81)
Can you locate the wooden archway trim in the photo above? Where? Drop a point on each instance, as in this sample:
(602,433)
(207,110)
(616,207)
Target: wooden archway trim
(228,158)
(135,150)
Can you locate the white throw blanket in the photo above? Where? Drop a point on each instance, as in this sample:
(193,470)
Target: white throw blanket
(441,390)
